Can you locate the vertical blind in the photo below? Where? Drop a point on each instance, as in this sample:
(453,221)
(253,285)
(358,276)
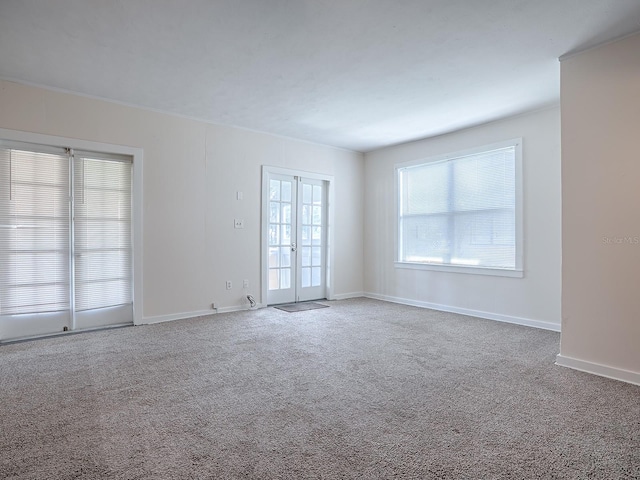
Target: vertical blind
(53,223)
(461,211)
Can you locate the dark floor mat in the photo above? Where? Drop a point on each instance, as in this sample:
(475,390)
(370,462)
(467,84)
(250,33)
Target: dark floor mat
(300,307)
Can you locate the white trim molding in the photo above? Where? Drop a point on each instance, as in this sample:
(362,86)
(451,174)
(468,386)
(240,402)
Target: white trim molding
(197,313)
(613,373)
(175,316)
(239,308)
(345,296)
(527,322)
(496,272)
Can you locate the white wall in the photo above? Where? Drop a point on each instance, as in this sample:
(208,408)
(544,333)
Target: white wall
(192,171)
(601,205)
(534,299)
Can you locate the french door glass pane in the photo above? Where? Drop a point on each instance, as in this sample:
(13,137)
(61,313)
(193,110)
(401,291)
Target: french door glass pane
(285,278)
(274,237)
(280,234)
(273,258)
(286,213)
(306,235)
(285,257)
(286,234)
(316,259)
(274,212)
(306,277)
(274,190)
(306,214)
(286,191)
(306,193)
(316,235)
(306,256)
(274,279)
(317,215)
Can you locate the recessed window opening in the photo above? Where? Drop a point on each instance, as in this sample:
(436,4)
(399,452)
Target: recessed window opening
(462,212)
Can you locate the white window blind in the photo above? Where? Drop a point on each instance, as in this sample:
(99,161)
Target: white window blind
(34,231)
(42,241)
(102,232)
(461,211)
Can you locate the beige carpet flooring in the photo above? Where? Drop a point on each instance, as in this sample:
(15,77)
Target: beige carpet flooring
(363,389)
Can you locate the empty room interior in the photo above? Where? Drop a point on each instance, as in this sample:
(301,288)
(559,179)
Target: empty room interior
(319,239)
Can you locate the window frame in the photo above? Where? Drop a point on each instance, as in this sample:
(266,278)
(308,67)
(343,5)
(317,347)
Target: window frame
(518,270)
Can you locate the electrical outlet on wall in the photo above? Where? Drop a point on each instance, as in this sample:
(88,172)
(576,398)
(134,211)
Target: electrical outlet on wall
(229,285)
(245,283)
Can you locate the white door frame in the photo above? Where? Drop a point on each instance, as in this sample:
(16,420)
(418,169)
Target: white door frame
(264,244)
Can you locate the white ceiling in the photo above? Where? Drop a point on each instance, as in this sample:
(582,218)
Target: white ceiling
(358,74)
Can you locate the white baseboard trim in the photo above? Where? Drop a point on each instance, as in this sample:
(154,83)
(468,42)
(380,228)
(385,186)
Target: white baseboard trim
(238,308)
(466,311)
(597,369)
(345,296)
(197,313)
(175,316)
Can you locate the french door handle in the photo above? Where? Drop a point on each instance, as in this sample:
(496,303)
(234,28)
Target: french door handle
(294,247)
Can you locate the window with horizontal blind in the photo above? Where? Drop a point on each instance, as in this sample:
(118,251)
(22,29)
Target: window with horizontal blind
(462,212)
(65,237)
(34,231)
(102,231)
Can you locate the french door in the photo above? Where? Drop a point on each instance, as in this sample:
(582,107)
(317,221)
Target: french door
(296,243)
(65,240)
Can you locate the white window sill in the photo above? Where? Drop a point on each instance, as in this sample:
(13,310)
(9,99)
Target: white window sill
(498,272)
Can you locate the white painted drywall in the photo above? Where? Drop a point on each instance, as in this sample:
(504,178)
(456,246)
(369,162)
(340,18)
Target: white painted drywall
(192,172)
(601,207)
(534,299)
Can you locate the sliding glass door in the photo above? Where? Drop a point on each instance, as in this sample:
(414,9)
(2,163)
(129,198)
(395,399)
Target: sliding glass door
(65,240)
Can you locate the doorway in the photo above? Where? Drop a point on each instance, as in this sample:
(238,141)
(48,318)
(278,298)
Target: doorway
(295,236)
